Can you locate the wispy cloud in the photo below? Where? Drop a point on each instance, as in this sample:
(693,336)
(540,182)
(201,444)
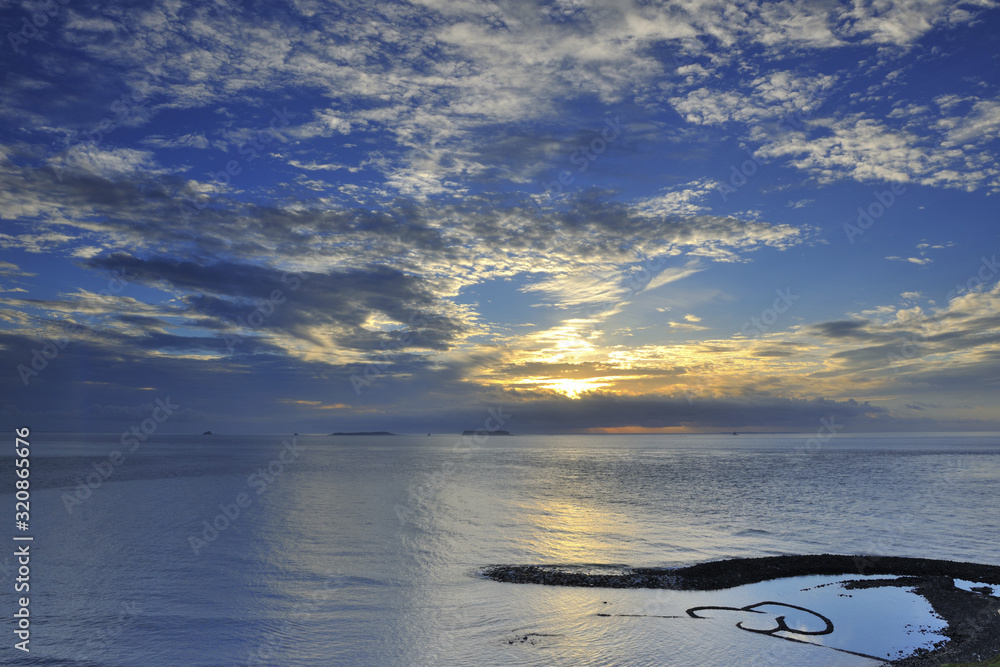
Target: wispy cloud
(395,157)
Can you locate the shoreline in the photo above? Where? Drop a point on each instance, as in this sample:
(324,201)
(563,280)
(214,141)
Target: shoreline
(973,621)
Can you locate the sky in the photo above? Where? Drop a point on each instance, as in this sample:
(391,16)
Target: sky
(584,216)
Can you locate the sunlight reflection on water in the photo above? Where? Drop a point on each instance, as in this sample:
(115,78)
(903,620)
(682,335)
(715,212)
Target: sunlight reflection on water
(361,552)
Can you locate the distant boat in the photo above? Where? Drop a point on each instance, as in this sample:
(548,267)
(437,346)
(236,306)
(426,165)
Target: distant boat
(735,433)
(208,433)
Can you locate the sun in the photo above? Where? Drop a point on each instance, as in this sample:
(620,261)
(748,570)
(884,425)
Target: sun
(572,388)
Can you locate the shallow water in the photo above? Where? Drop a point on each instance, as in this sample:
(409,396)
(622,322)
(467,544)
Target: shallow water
(364,550)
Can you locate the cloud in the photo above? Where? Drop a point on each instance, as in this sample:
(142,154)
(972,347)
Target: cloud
(438,79)
(979,126)
(683,200)
(601,410)
(919,349)
(420,139)
(312,166)
(923,259)
(190,140)
(686,326)
(154,212)
(10,269)
(913,260)
(91,159)
(317,315)
(841,329)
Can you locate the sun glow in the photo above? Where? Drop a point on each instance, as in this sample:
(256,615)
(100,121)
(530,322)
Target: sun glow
(573,388)
(571,533)
(567,386)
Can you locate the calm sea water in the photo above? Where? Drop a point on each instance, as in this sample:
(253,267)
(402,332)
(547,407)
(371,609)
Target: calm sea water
(363,550)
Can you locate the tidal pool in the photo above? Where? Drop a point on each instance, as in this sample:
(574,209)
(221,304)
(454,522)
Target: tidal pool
(796,620)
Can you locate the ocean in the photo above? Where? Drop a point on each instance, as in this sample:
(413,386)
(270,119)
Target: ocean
(364,550)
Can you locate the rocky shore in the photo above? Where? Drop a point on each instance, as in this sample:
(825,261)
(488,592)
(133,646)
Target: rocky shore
(973,618)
